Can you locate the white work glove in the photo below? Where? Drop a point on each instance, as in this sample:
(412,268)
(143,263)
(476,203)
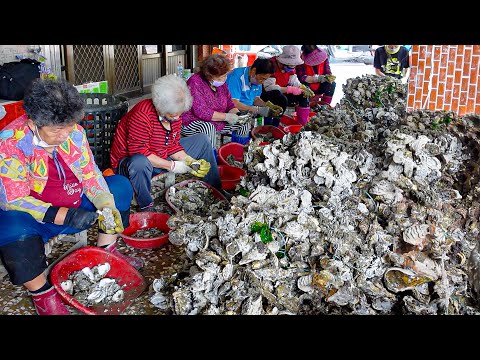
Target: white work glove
(231,118)
(180,167)
(320,78)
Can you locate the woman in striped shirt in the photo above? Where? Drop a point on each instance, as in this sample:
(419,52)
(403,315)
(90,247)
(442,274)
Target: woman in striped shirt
(212,110)
(147,141)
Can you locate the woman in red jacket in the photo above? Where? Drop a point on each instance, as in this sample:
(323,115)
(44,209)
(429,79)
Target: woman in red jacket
(315,73)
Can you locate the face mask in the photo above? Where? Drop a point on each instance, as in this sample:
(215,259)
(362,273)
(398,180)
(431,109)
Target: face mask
(393,50)
(217,83)
(37,140)
(253,80)
(288,69)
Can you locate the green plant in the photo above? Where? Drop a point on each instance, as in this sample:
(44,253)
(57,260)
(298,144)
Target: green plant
(264,230)
(244,192)
(445,120)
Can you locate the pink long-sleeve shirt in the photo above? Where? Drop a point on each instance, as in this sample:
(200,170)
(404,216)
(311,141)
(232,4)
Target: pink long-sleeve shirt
(206,101)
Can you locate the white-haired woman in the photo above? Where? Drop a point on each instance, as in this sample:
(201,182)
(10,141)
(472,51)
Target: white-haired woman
(147,141)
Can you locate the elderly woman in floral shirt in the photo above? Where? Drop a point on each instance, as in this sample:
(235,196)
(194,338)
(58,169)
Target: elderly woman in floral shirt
(50,185)
(212,110)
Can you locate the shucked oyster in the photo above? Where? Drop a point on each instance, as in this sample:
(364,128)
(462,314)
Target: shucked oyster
(398,279)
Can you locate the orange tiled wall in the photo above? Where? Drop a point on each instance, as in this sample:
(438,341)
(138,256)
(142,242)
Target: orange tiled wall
(445,77)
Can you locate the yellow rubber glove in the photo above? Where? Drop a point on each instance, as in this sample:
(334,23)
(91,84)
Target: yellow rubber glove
(330,78)
(200,167)
(276,110)
(307,92)
(103,200)
(203,169)
(110,223)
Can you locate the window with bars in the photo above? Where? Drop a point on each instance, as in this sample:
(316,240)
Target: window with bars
(152,49)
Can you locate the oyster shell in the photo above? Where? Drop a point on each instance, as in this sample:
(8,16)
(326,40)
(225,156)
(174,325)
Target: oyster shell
(399,279)
(67,286)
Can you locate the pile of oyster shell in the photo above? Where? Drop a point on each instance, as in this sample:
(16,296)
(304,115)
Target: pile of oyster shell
(194,197)
(90,286)
(368,210)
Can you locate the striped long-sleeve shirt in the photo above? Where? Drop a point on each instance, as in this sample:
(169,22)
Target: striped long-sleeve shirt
(206,101)
(141,132)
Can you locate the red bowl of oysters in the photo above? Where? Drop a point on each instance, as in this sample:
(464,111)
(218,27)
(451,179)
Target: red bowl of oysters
(82,266)
(147,230)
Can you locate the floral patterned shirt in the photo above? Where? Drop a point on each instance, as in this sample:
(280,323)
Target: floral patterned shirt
(24,167)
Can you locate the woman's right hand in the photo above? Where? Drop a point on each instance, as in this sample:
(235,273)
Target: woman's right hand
(180,167)
(231,118)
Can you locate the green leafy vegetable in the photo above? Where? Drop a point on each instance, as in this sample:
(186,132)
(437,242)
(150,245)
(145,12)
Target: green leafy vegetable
(244,192)
(264,230)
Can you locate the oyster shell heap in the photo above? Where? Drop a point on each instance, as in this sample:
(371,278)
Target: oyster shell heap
(195,197)
(90,286)
(371,210)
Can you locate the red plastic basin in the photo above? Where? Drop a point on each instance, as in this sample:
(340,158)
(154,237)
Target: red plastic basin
(132,282)
(217,194)
(292,129)
(146,220)
(231,148)
(230,176)
(265,129)
(288,120)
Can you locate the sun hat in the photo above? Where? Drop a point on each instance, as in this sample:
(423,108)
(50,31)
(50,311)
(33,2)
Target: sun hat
(290,56)
(316,57)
